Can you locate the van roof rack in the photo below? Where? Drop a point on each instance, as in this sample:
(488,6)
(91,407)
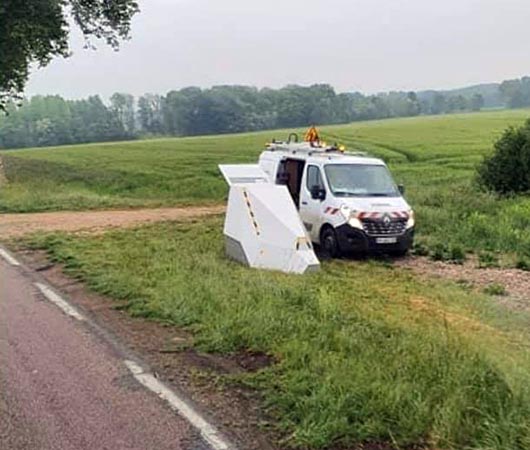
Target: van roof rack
(310,148)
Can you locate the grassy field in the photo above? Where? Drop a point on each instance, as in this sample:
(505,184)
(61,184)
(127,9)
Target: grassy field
(364,352)
(434,156)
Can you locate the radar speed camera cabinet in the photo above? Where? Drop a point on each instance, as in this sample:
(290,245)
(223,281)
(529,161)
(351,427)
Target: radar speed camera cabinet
(262,226)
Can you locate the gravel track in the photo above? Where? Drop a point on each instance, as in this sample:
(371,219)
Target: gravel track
(16,225)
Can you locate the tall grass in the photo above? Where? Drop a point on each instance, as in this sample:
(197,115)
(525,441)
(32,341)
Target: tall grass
(364,352)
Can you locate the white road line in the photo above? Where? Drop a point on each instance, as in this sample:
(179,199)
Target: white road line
(208,431)
(59,301)
(8,258)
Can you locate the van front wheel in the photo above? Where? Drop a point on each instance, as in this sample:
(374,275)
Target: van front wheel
(329,243)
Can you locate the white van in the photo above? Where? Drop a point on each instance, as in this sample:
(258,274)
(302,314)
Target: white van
(348,202)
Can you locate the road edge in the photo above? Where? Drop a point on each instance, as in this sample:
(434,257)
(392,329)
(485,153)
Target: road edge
(184,407)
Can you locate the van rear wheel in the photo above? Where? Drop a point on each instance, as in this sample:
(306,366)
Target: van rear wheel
(329,243)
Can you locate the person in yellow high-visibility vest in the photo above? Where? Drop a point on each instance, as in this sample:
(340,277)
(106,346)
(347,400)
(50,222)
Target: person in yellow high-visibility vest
(312,135)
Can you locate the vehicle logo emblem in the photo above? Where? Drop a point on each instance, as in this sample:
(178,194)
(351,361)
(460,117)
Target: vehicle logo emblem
(386,220)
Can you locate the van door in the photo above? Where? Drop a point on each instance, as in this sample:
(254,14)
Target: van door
(293,170)
(311,208)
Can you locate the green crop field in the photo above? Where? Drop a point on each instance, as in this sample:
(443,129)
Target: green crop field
(434,157)
(364,352)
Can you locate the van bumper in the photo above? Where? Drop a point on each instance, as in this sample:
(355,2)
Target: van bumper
(357,241)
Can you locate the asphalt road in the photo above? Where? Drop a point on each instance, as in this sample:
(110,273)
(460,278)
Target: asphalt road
(64,388)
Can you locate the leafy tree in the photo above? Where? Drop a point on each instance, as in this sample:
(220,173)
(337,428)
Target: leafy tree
(181,110)
(150,114)
(439,104)
(291,108)
(35,31)
(456,103)
(96,122)
(380,107)
(413,107)
(477,102)
(516,93)
(123,106)
(51,120)
(507,171)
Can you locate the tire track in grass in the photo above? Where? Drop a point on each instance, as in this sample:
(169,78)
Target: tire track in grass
(357,145)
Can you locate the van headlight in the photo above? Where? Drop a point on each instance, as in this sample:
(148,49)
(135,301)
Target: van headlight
(411,222)
(355,223)
(351,217)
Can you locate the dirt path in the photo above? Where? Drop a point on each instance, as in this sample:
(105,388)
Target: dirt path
(15,225)
(515,282)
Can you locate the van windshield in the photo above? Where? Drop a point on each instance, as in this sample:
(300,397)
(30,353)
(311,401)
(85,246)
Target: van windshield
(360,180)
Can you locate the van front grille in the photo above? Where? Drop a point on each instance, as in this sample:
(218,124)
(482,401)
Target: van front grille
(378,227)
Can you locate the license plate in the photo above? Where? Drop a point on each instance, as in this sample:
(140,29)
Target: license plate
(386,240)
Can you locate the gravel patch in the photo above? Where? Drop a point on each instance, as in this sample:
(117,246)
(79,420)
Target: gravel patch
(515,282)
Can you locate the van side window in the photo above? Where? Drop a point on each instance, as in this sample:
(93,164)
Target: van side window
(313,177)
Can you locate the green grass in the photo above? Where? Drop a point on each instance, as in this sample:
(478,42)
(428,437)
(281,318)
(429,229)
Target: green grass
(141,173)
(365,352)
(495,289)
(434,157)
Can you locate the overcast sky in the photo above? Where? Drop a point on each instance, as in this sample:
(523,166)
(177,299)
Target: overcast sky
(365,45)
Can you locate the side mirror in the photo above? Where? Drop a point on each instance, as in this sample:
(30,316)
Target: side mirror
(401,189)
(318,193)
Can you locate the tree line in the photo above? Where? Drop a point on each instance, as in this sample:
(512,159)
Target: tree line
(516,93)
(52,120)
